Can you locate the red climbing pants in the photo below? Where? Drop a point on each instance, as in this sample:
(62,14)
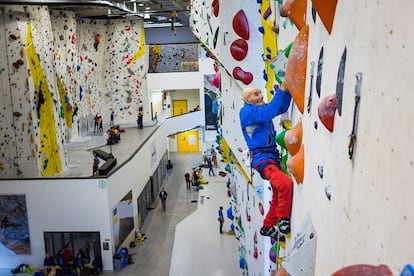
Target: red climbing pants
(282,193)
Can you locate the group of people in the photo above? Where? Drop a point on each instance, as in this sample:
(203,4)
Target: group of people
(98,124)
(113,136)
(65,262)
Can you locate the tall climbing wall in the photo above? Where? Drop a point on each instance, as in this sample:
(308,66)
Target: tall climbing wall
(348,144)
(238,35)
(31,145)
(40,52)
(125,69)
(57,72)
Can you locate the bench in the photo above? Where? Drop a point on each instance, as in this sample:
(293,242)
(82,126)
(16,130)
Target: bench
(102,154)
(107,166)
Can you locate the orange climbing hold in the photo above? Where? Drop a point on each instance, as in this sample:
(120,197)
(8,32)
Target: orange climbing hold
(326,11)
(296,165)
(364,270)
(293,138)
(296,68)
(326,111)
(296,10)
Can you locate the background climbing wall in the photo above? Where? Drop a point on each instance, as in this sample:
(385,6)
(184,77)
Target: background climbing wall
(55,65)
(359,206)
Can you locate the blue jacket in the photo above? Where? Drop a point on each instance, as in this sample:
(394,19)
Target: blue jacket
(258,129)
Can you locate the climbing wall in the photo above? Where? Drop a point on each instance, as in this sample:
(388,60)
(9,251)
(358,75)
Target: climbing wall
(31,145)
(125,68)
(58,70)
(348,139)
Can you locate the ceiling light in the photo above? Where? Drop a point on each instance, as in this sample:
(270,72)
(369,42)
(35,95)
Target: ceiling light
(141,4)
(147,8)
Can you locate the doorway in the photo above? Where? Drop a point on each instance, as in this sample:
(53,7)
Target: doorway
(179,107)
(188,141)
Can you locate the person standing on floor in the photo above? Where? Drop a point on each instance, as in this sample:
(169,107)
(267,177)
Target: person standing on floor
(256,119)
(214,156)
(111,122)
(205,158)
(139,121)
(188,180)
(95,165)
(163,196)
(210,167)
(96,121)
(221,219)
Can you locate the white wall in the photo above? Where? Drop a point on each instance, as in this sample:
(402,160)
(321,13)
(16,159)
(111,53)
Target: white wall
(70,205)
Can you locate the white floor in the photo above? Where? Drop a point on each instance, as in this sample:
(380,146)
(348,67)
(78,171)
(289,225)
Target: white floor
(185,240)
(199,248)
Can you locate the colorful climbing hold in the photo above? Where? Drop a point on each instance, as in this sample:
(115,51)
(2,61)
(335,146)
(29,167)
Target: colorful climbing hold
(326,111)
(243,76)
(296,165)
(364,270)
(241,25)
(239,49)
(296,68)
(293,138)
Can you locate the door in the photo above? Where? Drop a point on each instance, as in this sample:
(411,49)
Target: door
(179,107)
(188,141)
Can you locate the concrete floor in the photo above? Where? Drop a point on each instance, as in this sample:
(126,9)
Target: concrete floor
(184,240)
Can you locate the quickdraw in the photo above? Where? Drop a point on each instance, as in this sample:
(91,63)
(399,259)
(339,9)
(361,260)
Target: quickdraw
(352,136)
(311,86)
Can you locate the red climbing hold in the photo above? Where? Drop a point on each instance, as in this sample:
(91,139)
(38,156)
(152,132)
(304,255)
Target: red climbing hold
(215,5)
(364,270)
(243,76)
(241,25)
(238,49)
(326,111)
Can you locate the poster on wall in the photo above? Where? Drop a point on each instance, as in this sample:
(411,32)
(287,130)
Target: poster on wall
(123,220)
(210,102)
(14,225)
